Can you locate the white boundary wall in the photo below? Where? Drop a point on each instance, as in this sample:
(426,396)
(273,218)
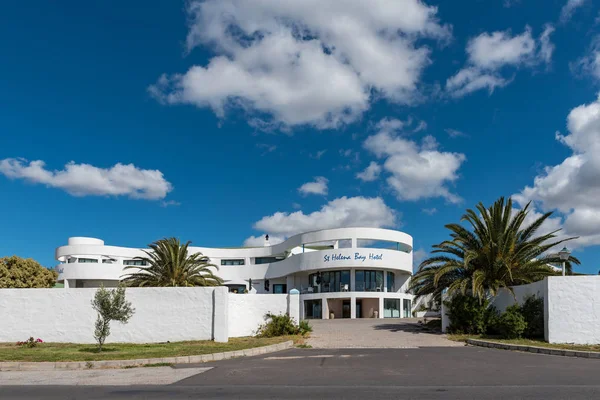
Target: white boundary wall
(162,314)
(571,307)
(246,310)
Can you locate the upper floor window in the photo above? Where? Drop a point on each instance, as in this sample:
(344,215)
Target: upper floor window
(87,260)
(135,262)
(239,261)
(108,261)
(72,260)
(267,260)
(391,281)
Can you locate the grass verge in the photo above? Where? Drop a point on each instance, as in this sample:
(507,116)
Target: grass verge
(528,342)
(123,351)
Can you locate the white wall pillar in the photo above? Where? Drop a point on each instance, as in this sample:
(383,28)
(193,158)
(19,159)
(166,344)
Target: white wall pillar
(352,307)
(353,280)
(325,309)
(221,314)
(445,318)
(294,305)
(381,307)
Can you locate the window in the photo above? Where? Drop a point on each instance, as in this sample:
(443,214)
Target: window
(391,281)
(108,261)
(391,308)
(331,281)
(369,281)
(239,261)
(236,288)
(72,260)
(279,288)
(267,260)
(406,304)
(135,262)
(87,260)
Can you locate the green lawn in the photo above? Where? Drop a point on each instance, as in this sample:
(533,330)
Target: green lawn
(528,342)
(88,352)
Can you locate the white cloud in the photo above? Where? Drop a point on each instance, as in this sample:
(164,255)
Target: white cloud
(319,186)
(569,9)
(416,171)
(342,212)
(429,211)
(313,62)
(590,63)
(318,154)
(489,53)
(419,256)
(258,241)
(268,148)
(420,127)
(453,133)
(573,186)
(370,173)
(170,203)
(87,180)
(472,79)
(546,46)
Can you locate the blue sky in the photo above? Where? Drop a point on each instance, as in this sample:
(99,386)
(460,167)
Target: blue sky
(206,120)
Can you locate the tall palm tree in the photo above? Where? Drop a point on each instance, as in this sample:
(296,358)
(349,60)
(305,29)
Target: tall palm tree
(169,264)
(498,252)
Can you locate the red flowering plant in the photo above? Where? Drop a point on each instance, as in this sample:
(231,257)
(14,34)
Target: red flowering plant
(31,342)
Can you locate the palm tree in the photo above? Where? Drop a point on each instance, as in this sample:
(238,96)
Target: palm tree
(169,264)
(498,252)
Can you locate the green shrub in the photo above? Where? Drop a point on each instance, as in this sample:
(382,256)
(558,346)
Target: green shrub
(304,327)
(533,312)
(511,323)
(281,325)
(469,315)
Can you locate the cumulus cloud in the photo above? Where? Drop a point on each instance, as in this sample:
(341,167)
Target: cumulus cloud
(370,173)
(573,186)
(489,53)
(87,180)
(416,170)
(566,13)
(319,186)
(342,212)
(314,62)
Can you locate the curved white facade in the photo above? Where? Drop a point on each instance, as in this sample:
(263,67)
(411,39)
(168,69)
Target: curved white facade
(352,272)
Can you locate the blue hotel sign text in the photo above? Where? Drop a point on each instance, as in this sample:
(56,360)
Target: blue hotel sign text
(356,257)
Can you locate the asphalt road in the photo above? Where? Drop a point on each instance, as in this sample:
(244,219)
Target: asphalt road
(426,373)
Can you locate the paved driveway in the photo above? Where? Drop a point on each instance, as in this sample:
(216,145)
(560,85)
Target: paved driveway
(374,333)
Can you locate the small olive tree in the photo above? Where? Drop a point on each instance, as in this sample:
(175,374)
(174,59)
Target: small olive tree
(110,306)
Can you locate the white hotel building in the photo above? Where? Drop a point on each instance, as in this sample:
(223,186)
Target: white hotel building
(340,273)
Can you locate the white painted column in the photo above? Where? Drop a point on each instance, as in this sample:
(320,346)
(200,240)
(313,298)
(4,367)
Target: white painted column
(445,318)
(352,307)
(353,280)
(324,309)
(221,314)
(66,283)
(381,307)
(294,305)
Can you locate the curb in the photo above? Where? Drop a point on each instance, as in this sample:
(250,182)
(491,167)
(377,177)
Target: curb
(73,365)
(534,349)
